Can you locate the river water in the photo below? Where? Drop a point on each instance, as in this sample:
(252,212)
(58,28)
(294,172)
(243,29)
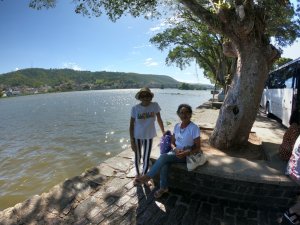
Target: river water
(47,138)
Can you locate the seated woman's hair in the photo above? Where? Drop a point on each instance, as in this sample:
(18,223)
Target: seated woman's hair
(188,107)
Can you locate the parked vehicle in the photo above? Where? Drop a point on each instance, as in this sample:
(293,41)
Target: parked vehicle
(280,96)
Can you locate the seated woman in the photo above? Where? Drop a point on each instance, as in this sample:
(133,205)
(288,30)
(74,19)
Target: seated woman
(185,141)
(290,136)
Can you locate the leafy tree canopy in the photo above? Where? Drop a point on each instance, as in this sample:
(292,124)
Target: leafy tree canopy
(191,40)
(279,62)
(278,18)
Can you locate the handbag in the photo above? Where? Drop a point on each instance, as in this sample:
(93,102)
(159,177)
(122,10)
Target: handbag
(165,143)
(195,160)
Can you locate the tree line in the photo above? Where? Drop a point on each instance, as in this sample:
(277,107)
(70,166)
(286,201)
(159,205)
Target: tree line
(55,80)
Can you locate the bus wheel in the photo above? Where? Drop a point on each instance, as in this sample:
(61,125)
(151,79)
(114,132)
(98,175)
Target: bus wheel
(268,110)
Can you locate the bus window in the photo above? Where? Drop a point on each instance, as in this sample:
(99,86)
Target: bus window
(289,77)
(289,83)
(274,81)
(277,80)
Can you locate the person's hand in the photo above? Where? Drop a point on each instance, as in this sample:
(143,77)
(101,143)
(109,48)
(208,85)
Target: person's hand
(181,153)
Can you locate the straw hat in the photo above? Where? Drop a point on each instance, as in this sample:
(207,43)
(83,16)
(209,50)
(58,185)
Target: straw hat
(144,89)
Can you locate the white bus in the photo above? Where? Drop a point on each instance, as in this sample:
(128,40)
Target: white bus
(280,96)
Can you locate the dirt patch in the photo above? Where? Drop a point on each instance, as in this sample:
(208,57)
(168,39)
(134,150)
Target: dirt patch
(253,150)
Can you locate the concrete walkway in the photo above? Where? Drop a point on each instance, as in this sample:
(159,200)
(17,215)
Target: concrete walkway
(106,195)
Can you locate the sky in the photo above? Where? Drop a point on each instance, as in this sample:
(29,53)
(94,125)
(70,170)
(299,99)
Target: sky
(60,38)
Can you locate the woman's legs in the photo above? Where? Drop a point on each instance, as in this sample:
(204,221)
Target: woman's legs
(162,165)
(146,144)
(163,182)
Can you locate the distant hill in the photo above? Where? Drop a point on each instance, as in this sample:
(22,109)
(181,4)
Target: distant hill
(68,79)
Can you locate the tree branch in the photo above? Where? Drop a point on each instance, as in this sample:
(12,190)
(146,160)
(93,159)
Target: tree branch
(205,15)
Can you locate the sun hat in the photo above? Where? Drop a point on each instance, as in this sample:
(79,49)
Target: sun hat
(144,89)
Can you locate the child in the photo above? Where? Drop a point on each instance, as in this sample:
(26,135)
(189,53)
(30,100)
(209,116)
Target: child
(142,127)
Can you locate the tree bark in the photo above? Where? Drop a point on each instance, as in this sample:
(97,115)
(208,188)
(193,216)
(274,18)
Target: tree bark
(240,106)
(244,26)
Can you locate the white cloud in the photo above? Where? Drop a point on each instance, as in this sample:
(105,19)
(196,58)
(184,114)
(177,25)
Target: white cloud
(165,23)
(17,69)
(150,62)
(72,66)
(155,29)
(159,27)
(143,46)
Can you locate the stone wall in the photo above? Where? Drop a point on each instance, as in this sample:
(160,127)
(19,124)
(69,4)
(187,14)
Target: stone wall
(252,193)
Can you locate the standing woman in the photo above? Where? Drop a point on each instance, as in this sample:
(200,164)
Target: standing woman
(185,141)
(142,128)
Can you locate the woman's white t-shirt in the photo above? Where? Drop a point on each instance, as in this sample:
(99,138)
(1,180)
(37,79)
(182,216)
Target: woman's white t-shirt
(145,116)
(185,137)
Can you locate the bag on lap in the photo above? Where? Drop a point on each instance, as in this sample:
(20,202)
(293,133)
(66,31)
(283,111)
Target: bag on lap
(165,143)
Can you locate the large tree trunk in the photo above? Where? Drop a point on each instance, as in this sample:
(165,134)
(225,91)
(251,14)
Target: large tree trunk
(244,24)
(239,109)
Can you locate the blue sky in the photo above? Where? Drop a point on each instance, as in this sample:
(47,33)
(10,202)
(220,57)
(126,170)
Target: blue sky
(59,38)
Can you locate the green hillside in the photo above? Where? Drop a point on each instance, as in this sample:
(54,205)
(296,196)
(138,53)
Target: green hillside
(67,80)
(54,77)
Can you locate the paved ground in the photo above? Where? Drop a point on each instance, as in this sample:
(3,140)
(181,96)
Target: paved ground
(117,201)
(106,195)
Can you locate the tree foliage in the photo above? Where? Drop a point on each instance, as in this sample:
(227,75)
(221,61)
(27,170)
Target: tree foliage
(276,18)
(279,62)
(114,9)
(190,40)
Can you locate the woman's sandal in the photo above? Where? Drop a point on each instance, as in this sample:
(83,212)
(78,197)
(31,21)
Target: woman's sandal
(160,192)
(135,182)
(292,218)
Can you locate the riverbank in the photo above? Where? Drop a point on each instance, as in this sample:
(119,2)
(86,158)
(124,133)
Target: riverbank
(106,195)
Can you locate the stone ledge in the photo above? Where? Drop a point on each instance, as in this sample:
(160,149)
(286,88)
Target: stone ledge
(258,171)
(258,182)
